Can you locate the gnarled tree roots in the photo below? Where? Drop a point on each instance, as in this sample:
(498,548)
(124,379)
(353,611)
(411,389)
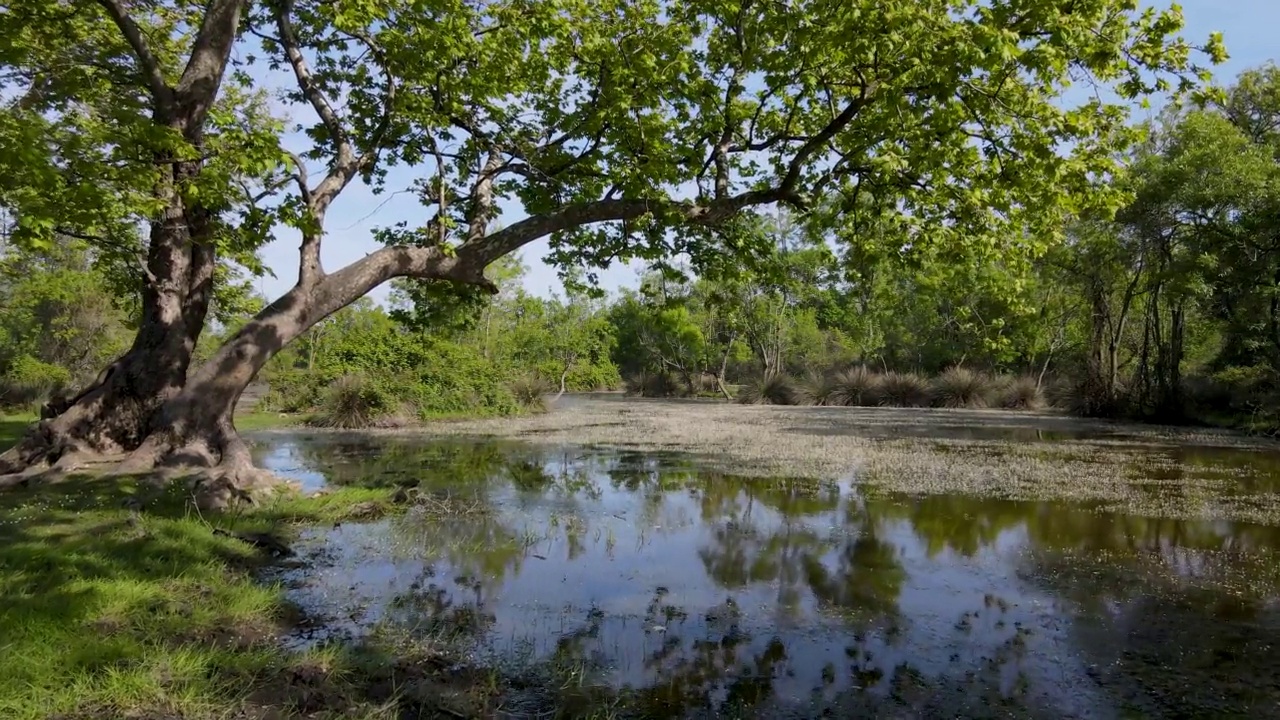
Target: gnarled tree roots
(216,465)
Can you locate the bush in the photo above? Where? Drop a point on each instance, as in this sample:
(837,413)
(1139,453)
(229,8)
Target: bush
(354,402)
(293,391)
(660,384)
(1020,393)
(774,389)
(530,392)
(904,390)
(961,388)
(856,386)
(1088,397)
(817,388)
(30,381)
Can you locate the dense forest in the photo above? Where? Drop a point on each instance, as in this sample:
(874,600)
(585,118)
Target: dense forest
(1167,309)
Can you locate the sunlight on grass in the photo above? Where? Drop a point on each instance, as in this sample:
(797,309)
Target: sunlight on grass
(107,612)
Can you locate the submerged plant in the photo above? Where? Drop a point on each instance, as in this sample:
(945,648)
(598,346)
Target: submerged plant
(962,388)
(904,390)
(856,386)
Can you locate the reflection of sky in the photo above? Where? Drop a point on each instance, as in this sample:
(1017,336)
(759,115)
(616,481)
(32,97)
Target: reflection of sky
(632,543)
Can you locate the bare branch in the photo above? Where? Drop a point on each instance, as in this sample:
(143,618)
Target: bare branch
(306,83)
(160,89)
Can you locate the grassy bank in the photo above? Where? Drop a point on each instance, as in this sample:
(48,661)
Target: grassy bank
(120,600)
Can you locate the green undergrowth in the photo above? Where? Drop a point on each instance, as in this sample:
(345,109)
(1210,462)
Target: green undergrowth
(113,611)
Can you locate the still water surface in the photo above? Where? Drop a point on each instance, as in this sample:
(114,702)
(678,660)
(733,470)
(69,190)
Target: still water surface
(699,593)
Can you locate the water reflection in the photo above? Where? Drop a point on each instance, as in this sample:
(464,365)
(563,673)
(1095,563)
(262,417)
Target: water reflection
(694,592)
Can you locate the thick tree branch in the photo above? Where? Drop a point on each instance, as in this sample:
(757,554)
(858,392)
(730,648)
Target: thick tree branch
(485,250)
(820,140)
(147,61)
(481,210)
(202,76)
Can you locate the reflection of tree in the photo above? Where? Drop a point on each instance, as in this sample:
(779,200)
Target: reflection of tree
(381,461)
(866,580)
(778,546)
(966,525)
(1170,646)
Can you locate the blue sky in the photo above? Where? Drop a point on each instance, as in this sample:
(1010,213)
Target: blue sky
(1249,27)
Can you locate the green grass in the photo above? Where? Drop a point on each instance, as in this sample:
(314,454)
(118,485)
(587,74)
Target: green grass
(108,613)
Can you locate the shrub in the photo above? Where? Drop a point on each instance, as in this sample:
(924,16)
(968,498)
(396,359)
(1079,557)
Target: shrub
(354,402)
(961,388)
(856,386)
(658,384)
(1020,393)
(530,392)
(817,388)
(904,390)
(1088,397)
(293,391)
(773,389)
(30,381)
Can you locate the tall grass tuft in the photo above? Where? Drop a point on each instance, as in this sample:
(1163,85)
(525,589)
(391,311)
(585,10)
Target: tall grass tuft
(962,388)
(904,390)
(530,392)
(773,389)
(654,384)
(353,402)
(1020,393)
(817,388)
(856,387)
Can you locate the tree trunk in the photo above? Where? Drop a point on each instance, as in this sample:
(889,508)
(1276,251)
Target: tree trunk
(116,412)
(195,428)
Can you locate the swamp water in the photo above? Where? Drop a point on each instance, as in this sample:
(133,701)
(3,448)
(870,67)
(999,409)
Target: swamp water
(642,583)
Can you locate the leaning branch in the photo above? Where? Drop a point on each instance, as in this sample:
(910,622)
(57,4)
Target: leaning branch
(485,250)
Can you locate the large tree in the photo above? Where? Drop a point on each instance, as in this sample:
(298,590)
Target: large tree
(623,128)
